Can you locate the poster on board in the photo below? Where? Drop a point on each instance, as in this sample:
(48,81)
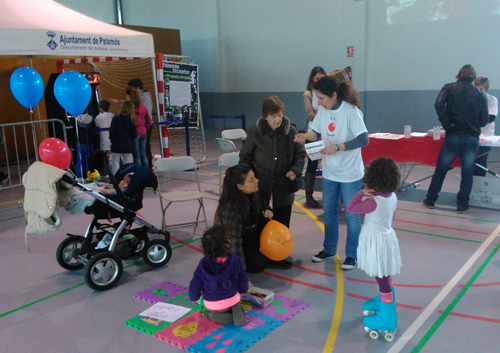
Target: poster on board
(180,87)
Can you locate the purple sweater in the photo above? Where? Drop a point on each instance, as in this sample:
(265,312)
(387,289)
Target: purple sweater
(218,281)
(362,204)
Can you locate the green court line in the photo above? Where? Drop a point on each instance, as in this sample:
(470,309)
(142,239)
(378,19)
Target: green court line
(449,216)
(11,218)
(454,302)
(9,209)
(438,236)
(80,284)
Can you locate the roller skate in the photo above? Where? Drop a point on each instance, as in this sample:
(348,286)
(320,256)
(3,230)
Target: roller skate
(382,322)
(372,306)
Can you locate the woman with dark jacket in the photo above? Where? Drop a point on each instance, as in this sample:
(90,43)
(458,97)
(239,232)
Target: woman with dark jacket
(122,133)
(275,158)
(244,214)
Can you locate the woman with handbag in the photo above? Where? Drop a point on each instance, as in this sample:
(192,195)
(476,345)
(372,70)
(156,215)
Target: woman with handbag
(276,159)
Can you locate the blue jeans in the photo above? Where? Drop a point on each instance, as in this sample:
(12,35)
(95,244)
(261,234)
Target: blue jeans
(464,146)
(331,195)
(140,156)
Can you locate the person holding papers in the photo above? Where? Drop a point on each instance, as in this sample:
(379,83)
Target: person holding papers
(340,125)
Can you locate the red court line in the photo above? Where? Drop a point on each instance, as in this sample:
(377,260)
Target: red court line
(313,271)
(298,282)
(397,304)
(188,245)
(442,227)
(396,285)
(480,318)
(481,285)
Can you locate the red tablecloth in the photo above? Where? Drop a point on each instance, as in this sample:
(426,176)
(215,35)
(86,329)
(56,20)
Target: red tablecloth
(423,150)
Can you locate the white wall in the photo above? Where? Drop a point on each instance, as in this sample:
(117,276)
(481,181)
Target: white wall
(418,54)
(273,45)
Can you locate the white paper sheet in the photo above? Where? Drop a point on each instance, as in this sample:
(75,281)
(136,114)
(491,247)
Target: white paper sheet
(390,137)
(313,148)
(180,93)
(418,134)
(165,312)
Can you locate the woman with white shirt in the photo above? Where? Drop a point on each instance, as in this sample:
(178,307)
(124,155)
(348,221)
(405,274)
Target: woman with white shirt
(340,125)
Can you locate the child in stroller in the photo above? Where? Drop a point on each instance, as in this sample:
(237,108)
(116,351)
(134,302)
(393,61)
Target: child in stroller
(103,259)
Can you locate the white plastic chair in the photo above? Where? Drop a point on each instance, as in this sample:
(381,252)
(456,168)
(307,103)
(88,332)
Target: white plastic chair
(234,134)
(226,145)
(227,139)
(179,164)
(227,160)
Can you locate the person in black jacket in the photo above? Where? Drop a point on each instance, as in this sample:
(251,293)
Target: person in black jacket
(122,134)
(462,110)
(274,157)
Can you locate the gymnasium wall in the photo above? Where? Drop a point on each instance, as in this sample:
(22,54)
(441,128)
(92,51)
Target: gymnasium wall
(404,51)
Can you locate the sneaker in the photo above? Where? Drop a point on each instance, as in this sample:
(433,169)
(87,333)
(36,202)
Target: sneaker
(321,256)
(238,315)
(462,209)
(428,204)
(349,263)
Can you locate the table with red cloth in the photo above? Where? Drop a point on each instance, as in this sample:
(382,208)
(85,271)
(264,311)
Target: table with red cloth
(422,150)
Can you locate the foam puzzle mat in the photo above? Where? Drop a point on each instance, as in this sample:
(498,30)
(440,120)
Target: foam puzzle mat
(194,333)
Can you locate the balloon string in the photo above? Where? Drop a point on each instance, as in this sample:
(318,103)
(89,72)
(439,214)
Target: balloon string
(33,131)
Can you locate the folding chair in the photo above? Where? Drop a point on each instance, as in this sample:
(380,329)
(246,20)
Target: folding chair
(227,160)
(226,145)
(179,164)
(234,134)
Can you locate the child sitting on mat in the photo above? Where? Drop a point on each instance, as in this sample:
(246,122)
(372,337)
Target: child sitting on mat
(219,278)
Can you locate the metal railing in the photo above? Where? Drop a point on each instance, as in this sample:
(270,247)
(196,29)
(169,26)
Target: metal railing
(20,143)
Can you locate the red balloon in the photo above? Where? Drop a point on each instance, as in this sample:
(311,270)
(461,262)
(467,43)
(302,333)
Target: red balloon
(55,152)
(276,241)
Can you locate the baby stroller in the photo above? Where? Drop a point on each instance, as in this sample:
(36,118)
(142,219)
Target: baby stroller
(105,242)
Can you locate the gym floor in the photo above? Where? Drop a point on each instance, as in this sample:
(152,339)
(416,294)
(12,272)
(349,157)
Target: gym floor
(447,294)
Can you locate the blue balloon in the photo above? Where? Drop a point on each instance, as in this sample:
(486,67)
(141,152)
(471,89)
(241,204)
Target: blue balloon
(26,86)
(72,91)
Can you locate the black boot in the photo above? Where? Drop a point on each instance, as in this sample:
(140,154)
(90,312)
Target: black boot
(309,179)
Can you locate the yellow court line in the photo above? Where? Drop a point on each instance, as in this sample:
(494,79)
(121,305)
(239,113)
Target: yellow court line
(339,298)
(14,201)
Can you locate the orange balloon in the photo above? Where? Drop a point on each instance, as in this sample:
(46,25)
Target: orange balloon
(276,241)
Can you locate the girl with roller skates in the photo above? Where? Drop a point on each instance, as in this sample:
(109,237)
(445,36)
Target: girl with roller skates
(378,250)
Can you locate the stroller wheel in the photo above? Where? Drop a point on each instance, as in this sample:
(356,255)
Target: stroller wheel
(142,243)
(157,253)
(68,251)
(104,271)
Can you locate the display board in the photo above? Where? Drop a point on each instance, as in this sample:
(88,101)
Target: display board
(180,88)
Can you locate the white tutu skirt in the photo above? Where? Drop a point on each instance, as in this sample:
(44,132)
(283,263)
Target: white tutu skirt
(378,253)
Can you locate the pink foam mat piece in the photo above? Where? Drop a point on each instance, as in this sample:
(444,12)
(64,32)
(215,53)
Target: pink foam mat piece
(230,338)
(187,331)
(160,292)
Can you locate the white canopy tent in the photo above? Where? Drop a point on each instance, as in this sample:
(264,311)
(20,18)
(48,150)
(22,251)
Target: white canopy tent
(45,27)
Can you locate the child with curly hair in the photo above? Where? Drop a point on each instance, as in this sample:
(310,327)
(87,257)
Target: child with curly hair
(219,278)
(378,250)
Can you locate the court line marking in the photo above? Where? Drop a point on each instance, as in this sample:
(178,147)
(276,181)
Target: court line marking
(339,297)
(431,308)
